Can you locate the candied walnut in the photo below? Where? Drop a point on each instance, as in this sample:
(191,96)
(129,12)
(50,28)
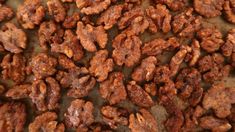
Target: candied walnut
(78,80)
(110,16)
(88,35)
(65,62)
(178,58)
(45,94)
(19,91)
(215,124)
(143,121)
(138,96)
(114,116)
(30,13)
(90,7)
(70,46)
(6,13)
(126,50)
(213,68)
(188,85)
(133,1)
(157,46)
(193,57)
(208,8)
(162,74)
(167,88)
(174,5)
(219,98)
(211,39)
(228,49)
(12,38)
(185,24)
(160,17)
(57,10)
(101,65)
(67,0)
(145,71)
(176,118)
(113,89)
(150,88)
(12,117)
(79,114)
(49,33)
(71,21)
(229,10)
(43,65)
(13,67)
(46,122)
(2,89)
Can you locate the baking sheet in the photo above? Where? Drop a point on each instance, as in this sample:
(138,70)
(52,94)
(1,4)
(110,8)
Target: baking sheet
(157,110)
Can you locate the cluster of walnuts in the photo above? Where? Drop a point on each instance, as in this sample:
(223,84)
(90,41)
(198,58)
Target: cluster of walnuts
(96,48)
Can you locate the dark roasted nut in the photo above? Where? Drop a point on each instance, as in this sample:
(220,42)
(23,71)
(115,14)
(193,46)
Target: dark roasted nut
(151,88)
(88,35)
(110,16)
(19,91)
(70,46)
(46,122)
(56,10)
(143,121)
(215,124)
(160,17)
(13,67)
(43,65)
(174,5)
(12,38)
(126,50)
(188,84)
(167,88)
(213,67)
(219,98)
(12,117)
(138,96)
(211,39)
(79,114)
(30,13)
(78,80)
(158,46)
(229,10)
(114,116)
(185,24)
(101,65)
(178,58)
(228,49)
(49,33)
(113,89)
(6,13)
(208,8)
(193,57)
(45,94)
(145,71)
(71,21)
(90,7)
(176,118)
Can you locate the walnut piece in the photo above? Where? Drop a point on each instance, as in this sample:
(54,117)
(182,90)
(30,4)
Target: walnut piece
(56,10)
(138,96)
(113,89)
(45,94)
(46,122)
(14,67)
(145,71)
(143,121)
(101,65)
(19,91)
(12,117)
(6,13)
(229,10)
(71,21)
(219,98)
(30,13)
(126,50)
(89,35)
(174,5)
(12,38)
